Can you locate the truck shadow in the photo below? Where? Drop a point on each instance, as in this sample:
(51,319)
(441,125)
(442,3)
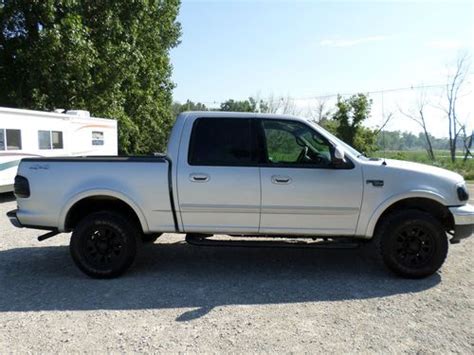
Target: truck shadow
(182,276)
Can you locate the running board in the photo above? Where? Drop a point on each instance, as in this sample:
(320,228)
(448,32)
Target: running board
(206,241)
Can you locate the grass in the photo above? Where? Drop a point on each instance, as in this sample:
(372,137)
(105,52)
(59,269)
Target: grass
(466,169)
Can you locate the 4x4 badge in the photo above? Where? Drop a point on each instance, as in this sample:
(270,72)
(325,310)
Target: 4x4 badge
(376,183)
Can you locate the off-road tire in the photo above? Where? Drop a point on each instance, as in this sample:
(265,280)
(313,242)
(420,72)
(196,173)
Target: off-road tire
(411,243)
(104,244)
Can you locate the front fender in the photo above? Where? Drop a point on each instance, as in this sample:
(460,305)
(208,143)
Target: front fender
(100,192)
(382,207)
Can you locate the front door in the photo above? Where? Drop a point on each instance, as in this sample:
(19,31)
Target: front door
(303,192)
(218,178)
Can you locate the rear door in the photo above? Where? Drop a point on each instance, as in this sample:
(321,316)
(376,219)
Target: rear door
(218,178)
(303,192)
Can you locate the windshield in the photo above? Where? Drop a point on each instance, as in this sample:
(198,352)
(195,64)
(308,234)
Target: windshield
(336,140)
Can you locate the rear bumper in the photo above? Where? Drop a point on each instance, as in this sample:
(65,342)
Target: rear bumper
(14,219)
(6,188)
(463,222)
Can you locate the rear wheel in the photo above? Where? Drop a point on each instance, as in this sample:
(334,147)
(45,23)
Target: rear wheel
(104,244)
(412,243)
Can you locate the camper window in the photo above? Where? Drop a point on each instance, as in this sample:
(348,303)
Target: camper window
(12,141)
(97,138)
(2,139)
(57,138)
(50,139)
(44,140)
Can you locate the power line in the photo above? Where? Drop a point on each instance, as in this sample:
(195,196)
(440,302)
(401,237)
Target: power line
(328,96)
(382,91)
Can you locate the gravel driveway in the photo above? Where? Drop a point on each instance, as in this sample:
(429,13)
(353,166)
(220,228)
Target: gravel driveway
(190,299)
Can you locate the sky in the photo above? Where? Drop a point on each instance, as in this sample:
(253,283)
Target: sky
(306,49)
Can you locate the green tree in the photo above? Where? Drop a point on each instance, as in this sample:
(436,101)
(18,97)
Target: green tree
(188,106)
(108,57)
(366,140)
(349,115)
(329,124)
(249,105)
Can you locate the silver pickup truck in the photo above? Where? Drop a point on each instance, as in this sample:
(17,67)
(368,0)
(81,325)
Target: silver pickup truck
(247,176)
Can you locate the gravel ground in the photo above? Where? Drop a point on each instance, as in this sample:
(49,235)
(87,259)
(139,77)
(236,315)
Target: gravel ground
(180,298)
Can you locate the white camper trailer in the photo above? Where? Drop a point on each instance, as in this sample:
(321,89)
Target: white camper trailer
(26,133)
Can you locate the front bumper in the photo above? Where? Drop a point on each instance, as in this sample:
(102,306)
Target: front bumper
(14,219)
(463,222)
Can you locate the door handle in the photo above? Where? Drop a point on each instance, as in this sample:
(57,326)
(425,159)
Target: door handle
(281,180)
(199,177)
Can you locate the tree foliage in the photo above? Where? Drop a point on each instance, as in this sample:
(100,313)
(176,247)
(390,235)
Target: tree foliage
(249,105)
(350,114)
(188,106)
(108,57)
(397,140)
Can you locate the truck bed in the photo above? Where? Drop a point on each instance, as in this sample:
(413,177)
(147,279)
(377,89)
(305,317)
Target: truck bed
(59,182)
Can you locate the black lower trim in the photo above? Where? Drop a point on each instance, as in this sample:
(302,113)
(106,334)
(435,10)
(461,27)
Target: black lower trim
(13,219)
(11,214)
(208,241)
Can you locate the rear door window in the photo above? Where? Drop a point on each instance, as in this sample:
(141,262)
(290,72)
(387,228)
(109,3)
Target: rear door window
(222,142)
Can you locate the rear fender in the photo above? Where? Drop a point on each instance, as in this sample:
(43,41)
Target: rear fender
(101,192)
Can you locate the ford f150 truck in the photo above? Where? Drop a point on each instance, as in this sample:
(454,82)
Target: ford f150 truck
(247,176)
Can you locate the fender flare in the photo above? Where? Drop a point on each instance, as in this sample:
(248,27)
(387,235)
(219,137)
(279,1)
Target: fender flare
(382,207)
(100,192)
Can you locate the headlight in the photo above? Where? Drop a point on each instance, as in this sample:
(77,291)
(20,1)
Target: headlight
(463,194)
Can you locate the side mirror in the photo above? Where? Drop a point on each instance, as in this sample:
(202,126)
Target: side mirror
(339,155)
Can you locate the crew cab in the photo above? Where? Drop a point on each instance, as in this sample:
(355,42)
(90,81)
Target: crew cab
(248,176)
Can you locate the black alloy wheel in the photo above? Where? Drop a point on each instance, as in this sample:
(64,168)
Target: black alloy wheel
(412,243)
(104,244)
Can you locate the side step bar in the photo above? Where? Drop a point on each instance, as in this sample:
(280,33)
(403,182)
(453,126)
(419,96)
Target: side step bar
(48,235)
(206,241)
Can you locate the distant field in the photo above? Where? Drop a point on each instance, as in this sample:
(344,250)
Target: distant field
(466,168)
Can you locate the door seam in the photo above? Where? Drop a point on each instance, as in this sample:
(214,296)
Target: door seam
(260,207)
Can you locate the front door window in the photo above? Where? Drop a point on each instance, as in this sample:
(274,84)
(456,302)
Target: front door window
(290,143)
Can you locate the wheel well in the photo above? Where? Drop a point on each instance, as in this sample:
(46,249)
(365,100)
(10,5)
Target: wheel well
(93,204)
(434,208)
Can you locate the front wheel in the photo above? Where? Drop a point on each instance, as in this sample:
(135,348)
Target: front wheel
(412,243)
(104,244)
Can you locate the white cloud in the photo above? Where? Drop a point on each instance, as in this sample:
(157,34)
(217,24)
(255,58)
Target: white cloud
(445,43)
(351,42)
